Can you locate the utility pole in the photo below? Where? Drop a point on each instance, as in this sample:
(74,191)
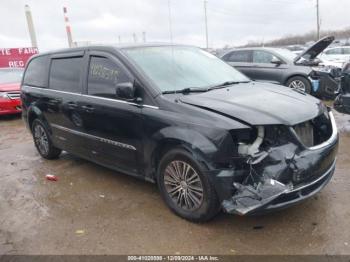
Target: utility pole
(318,18)
(135,37)
(119,39)
(206,23)
(144,37)
(170,25)
(68,29)
(30,26)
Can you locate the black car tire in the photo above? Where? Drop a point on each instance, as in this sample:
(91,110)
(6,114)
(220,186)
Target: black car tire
(302,80)
(209,205)
(43,142)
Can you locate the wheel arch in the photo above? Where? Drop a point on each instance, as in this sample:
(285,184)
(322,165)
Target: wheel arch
(35,113)
(296,75)
(199,146)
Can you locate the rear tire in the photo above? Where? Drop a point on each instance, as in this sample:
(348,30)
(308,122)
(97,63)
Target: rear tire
(184,187)
(43,142)
(300,83)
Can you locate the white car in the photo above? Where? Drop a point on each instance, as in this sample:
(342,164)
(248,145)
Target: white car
(336,56)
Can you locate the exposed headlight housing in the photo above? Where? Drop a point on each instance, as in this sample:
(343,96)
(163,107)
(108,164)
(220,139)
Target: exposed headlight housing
(252,148)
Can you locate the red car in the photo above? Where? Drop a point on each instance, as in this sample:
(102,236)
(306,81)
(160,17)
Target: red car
(10,101)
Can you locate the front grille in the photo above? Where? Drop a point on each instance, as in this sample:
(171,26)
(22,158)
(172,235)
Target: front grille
(14,95)
(316,131)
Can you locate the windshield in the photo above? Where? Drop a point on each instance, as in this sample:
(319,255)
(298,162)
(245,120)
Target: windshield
(286,53)
(10,76)
(177,67)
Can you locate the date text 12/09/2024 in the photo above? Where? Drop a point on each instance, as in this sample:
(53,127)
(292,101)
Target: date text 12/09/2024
(173,258)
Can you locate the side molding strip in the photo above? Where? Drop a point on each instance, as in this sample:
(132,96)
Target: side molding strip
(101,139)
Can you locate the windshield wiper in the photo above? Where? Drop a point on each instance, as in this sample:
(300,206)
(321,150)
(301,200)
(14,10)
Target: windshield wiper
(227,83)
(186,90)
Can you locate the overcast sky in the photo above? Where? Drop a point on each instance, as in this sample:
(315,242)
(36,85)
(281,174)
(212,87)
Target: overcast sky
(231,22)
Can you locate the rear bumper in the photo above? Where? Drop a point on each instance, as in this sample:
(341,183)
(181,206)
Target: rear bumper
(10,106)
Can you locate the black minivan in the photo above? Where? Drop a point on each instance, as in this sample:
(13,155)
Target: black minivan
(180,117)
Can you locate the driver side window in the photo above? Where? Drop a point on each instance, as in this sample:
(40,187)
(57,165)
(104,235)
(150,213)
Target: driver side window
(262,57)
(104,75)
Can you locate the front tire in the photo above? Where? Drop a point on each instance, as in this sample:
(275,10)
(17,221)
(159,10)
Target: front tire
(43,142)
(299,83)
(184,187)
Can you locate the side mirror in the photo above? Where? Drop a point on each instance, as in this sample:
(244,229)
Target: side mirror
(276,61)
(125,90)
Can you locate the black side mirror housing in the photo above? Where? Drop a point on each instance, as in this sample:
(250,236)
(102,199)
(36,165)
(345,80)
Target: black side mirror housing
(276,61)
(125,90)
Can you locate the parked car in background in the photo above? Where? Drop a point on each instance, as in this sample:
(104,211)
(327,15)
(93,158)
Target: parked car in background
(296,49)
(10,79)
(342,102)
(337,56)
(181,117)
(281,66)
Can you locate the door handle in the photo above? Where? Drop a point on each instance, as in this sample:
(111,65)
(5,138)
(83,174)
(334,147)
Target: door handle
(88,109)
(72,105)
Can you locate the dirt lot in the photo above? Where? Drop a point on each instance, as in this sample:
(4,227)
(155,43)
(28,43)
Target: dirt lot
(92,210)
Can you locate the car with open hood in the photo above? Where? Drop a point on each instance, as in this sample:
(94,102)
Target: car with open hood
(10,80)
(278,65)
(175,115)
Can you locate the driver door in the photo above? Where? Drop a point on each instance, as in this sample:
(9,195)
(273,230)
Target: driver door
(113,125)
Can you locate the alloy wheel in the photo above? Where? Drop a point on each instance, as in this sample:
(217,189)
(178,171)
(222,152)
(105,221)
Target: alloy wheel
(41,139)
(183,185)
(298,84)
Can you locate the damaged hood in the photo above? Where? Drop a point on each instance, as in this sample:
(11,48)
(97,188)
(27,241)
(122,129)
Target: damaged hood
(258,104)
(313,51)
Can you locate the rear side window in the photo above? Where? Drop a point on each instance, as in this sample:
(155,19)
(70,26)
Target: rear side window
(238,56)
(65,74)
(36,73)
(262,57)
(104,75)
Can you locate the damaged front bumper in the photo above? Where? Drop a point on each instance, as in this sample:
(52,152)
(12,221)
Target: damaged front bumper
(342,103)
(277,196)
(286,176)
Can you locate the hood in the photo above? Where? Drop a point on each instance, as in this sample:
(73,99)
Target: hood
(258,104)
(317,48)
(10,87)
